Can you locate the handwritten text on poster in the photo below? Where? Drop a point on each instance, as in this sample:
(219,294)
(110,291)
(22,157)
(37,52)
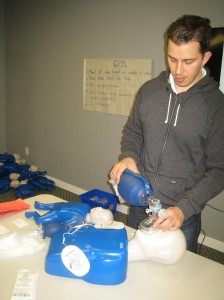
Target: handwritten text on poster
(110,85)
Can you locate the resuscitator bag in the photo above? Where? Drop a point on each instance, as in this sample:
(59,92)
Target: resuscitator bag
(134,188)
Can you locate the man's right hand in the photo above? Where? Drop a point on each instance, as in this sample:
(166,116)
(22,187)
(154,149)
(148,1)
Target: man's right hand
(118,168)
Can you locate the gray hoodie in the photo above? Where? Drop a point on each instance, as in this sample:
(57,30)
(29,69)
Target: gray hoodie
(177,141)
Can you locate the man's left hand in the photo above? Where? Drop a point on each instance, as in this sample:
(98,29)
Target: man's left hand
(174,220)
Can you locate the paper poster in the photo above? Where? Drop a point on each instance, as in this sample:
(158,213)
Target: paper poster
(110,85)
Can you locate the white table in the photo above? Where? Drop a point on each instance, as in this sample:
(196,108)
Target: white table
(194,277)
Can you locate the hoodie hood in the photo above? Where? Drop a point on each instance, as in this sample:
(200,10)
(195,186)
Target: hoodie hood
(205,85)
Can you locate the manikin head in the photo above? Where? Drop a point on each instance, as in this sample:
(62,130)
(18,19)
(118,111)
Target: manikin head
(99,215)
(166,247)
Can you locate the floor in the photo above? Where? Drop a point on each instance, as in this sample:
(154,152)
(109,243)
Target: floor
(71,197)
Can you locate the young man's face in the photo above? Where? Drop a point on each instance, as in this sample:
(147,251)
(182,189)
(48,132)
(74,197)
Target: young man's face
(185,63)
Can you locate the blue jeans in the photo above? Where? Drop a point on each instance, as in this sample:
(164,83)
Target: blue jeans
(191,227)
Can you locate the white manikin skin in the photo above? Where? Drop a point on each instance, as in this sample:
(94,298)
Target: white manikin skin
(99,215)
(166,247)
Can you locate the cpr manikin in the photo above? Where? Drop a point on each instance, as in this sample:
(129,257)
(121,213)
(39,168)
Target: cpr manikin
(149,243)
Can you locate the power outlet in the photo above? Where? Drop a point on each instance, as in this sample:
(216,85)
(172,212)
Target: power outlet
(27,151)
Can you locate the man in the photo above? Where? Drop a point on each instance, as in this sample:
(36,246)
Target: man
(175,134)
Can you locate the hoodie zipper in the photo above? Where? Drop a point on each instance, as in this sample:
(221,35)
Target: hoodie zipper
(167,134)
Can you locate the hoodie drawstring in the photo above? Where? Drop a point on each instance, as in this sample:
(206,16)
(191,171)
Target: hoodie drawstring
(175,122)
(168,109)
(168,112)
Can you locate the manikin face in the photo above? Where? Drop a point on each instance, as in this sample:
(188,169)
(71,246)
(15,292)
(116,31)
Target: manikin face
(186,63)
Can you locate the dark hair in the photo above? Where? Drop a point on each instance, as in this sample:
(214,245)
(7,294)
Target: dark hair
(190,28)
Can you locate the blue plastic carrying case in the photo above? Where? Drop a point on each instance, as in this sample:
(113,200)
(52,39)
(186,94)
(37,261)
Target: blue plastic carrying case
(100,198)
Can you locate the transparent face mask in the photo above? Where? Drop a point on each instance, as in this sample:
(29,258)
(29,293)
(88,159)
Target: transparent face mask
(21,243)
